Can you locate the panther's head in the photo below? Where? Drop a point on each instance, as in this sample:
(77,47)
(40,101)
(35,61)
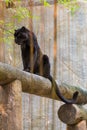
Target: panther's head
(23,35)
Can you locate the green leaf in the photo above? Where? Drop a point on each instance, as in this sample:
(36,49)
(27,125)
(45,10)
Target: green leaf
(21,13)
(71,5)
(8,1)
(46,3)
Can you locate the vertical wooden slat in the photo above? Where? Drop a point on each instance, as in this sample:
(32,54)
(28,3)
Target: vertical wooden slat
(42,35)
(32,64)
(55,58)
(2,51)
(55,38)
(31,45)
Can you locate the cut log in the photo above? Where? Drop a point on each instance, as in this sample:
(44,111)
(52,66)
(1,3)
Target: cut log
(72,114)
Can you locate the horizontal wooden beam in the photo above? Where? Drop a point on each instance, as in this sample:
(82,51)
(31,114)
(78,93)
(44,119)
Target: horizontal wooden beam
(38,85)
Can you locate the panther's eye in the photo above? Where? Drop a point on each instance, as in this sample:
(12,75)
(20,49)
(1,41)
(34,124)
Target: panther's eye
(20,36)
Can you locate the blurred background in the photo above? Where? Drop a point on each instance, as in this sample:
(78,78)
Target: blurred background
(61,30)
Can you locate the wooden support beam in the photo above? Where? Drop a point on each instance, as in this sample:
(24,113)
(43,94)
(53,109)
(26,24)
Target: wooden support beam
(11,106)
(80,126)
(38,85)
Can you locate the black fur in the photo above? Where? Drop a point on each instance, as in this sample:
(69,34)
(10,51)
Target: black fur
(35,61)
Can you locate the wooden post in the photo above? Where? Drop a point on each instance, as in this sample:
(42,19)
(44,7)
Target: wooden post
(11,106)
(79,126)
(74,116)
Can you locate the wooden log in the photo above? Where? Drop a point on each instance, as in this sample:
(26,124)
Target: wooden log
(11,106)
(72,114)
(80,126)
(38,85)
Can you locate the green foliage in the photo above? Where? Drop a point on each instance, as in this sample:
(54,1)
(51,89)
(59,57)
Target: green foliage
(72,5)
(21,13)
(8,1)
(8,30)
(45,3)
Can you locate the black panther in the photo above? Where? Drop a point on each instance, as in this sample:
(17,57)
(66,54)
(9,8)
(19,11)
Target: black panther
(35,61)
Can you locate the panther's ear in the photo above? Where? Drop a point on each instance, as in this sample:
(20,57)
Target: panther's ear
(15,30)
(23,28)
